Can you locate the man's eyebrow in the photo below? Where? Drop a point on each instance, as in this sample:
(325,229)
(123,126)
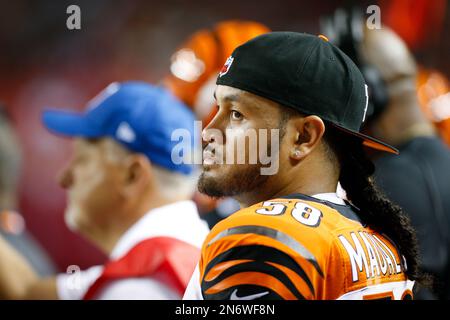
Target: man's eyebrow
(229,97)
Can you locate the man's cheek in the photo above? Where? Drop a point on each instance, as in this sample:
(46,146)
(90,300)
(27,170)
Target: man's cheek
(241,146)
(90,181)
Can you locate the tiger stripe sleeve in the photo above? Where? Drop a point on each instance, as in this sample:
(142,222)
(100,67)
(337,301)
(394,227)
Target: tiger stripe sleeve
(257,262)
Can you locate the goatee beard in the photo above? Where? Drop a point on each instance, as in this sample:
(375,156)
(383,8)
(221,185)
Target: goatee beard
(233,184)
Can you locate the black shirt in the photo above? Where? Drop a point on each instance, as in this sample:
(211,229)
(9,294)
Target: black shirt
(419,181)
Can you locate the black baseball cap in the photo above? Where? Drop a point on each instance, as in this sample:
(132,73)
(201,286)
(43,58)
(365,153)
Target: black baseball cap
(306,73)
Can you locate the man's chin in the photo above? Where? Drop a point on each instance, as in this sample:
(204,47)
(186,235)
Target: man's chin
(71,218)
(209,183)
(229,181)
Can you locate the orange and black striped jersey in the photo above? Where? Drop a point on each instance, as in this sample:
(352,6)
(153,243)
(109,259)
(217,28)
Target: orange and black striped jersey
(299,247)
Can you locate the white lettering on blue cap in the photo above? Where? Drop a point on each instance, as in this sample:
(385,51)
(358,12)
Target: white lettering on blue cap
(125,133)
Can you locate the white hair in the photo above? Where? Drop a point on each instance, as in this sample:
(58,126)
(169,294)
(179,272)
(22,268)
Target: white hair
(174,184)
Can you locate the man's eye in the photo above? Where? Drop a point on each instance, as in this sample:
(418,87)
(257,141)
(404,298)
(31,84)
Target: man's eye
(236,115)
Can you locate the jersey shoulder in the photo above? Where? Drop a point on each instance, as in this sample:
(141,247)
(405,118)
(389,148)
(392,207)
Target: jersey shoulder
(284,244)
(296,248)
(301,217)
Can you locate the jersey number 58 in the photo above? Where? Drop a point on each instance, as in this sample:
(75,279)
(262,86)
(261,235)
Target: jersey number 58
(301,212)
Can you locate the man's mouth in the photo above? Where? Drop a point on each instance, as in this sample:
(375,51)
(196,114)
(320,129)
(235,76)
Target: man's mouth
(211,156)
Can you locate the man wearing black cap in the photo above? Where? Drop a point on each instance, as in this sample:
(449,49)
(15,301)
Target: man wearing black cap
(295,238)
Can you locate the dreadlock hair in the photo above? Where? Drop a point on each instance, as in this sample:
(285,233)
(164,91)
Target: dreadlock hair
(375,209)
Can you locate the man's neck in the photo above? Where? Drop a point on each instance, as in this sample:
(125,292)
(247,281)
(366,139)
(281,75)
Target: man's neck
(273,189)
(106,237)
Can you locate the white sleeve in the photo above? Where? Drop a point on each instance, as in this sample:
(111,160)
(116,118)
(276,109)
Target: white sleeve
(193,290)
(73,286)
(137,289)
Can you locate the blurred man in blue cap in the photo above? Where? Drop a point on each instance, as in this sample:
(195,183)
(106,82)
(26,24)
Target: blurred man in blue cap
(127,196)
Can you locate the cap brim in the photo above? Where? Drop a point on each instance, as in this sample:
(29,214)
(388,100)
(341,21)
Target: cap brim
(369,141)
(69,124)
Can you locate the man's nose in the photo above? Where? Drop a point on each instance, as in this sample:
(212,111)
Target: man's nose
(212,130)
(65,178)
(208,135)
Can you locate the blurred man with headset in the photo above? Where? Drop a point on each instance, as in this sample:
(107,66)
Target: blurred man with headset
(419,178)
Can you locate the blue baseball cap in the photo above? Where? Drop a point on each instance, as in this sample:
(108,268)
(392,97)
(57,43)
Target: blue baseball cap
(138,115)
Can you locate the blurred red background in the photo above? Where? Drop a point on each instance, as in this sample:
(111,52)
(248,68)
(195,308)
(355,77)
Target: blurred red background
(42,63)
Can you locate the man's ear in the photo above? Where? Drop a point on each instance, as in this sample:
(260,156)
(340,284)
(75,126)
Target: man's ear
(308,132)
(138,173)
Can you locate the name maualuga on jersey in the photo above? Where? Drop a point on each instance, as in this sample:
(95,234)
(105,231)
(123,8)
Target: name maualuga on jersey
(371,255)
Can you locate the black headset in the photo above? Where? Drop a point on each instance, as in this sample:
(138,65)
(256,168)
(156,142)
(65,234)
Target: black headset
(345,29)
